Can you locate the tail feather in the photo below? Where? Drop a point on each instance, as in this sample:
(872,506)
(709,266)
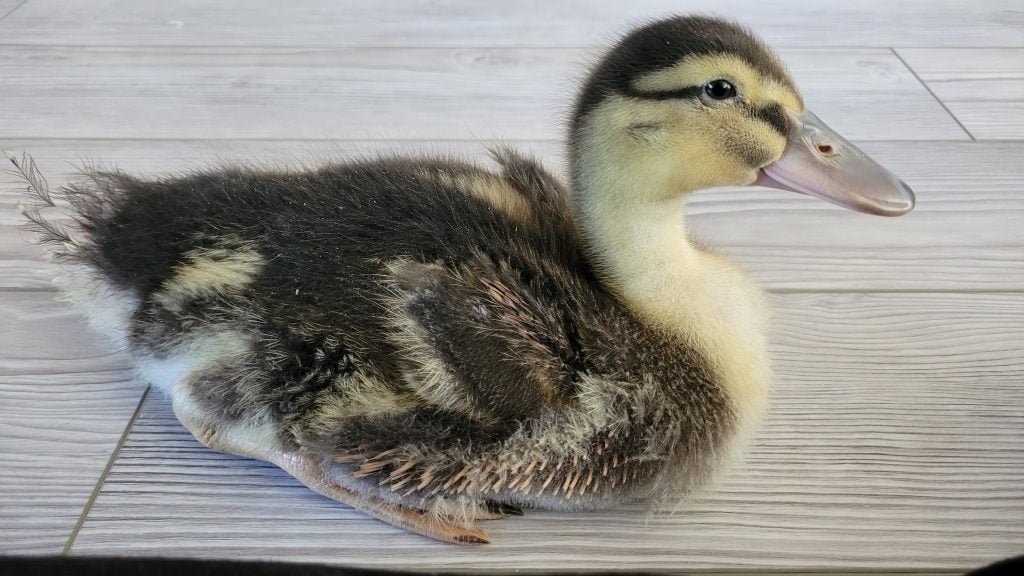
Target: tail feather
(81,276)
(92,200)
(38,192)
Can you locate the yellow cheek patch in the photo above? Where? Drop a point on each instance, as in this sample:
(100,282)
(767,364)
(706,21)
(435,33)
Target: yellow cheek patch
(685,149)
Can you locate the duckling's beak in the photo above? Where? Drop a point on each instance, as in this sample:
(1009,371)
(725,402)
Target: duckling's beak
(820,162)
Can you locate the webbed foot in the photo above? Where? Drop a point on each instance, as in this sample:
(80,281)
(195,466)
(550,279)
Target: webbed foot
(309,469)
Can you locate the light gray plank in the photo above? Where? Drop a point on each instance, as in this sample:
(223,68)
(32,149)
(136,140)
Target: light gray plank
(8,6)
(965,233)
(896,442)
(984,88)
(197,92)
(64,401)
(529,23)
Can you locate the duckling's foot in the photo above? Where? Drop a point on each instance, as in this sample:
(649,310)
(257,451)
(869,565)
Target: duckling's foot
(308,469)
(310,472)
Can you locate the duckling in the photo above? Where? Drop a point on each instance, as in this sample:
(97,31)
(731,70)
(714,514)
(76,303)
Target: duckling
(437,343)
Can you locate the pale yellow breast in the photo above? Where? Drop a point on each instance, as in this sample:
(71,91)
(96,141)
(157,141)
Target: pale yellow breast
(713,304)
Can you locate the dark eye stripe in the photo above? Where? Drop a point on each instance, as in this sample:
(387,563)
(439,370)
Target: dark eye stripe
(772,114)
(686,92)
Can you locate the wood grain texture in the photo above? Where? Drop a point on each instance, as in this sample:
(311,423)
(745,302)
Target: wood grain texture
(367,93)
(64,401)
(964,234)
(528,23)
(896,441)
(984,88)
(897,437)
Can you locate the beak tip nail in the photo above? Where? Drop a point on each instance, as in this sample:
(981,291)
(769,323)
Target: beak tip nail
(911,198)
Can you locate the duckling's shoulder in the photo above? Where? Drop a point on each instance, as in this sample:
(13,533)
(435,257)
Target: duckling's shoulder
(520,189)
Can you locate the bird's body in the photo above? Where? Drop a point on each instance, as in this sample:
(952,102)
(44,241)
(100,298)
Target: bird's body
(337,338)
(435,342)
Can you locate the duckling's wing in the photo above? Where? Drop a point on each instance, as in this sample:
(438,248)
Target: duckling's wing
(547,195)
(526,395)
(480,341)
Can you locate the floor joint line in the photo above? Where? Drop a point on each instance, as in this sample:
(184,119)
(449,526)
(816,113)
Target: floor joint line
(11,11)
(103,475)
(930,91)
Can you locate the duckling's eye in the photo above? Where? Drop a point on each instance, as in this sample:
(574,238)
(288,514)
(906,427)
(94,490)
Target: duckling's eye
(720,89)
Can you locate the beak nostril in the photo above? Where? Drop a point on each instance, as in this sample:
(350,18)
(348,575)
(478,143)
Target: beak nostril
(825,149)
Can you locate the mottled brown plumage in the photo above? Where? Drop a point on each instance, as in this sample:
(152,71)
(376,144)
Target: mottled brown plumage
(438,343)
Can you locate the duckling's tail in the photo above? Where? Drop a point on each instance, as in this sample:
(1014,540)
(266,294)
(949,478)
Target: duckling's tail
(90,202)
(82,277)
(50,233)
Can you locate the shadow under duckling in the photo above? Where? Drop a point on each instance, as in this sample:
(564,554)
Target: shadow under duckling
(435,343)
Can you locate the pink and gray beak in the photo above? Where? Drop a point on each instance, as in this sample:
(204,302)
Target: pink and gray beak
(819,162)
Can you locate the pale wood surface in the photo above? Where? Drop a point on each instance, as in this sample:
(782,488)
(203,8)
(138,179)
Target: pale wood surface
(984,88)
(540,23)
(8,6)
(965,232)
(65,401)
(896,441)
(371,93)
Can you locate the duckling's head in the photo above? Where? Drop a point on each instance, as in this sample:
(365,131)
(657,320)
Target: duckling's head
(694,102)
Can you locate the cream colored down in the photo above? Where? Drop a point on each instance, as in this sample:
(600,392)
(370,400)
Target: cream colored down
(207,271)
(491,188)
(638,159)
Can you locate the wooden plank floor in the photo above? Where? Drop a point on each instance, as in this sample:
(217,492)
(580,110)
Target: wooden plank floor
(984,87)
(896,440)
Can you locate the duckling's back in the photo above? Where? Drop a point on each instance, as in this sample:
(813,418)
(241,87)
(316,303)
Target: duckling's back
(322,231)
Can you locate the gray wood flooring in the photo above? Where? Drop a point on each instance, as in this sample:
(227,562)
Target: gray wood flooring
(896,439)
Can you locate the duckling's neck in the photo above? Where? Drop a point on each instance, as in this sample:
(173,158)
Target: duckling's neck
(643,252)
(644,255)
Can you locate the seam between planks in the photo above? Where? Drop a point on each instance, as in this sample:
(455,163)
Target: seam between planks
(600,47)
(497,140)
(753,572)
(894,290)
(799,572)
(817,572)
(929,89)
(9,12)
(103,475)
(4,289)
(531,47)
